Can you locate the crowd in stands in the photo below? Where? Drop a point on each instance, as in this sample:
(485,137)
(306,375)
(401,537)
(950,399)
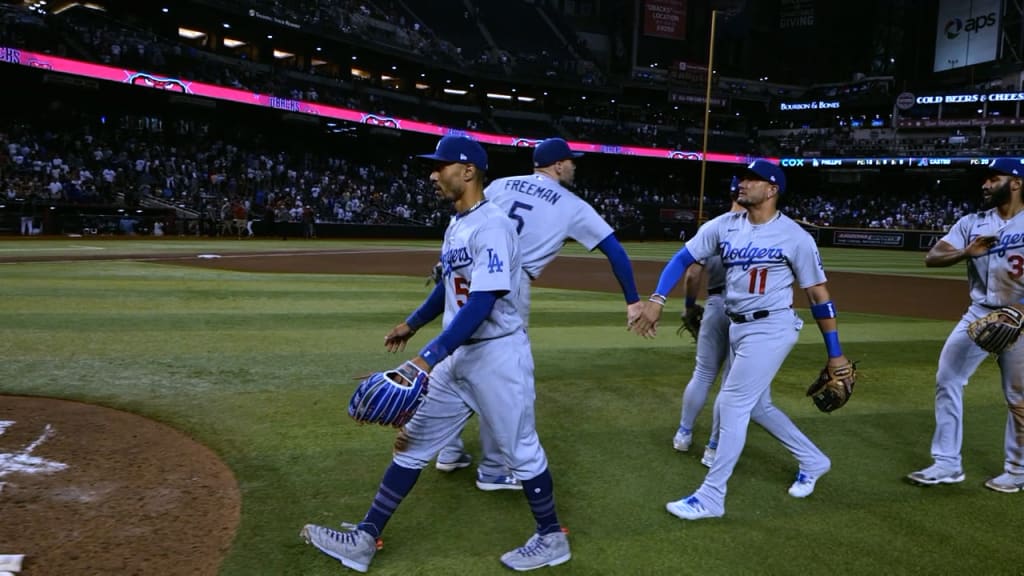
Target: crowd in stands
(215,179)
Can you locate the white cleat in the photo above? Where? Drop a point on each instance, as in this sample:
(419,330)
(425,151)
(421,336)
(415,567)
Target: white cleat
(690,508)
(804,484)
(682,440)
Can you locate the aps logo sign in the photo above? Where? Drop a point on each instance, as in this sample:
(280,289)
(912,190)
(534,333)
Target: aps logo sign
(956,26)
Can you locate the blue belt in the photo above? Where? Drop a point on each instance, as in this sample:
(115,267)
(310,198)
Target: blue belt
(743,318)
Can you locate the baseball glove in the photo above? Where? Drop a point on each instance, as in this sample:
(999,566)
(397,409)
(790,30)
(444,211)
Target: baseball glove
(389,398)
(833,387)
(997,330)
(691,318)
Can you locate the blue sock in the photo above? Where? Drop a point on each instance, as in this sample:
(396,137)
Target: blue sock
(395,486)
(540,494)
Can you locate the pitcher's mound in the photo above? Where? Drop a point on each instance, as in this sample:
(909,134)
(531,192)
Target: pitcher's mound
(91,490)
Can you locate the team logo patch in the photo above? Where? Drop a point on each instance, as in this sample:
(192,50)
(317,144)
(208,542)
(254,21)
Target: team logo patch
(494,263)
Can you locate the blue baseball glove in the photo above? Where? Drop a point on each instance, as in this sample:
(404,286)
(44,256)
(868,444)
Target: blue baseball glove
(389,398)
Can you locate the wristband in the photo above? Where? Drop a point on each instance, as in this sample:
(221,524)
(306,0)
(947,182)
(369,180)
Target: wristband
(433,353)
(824,310)
(832,344)
(691,301)
(657,299)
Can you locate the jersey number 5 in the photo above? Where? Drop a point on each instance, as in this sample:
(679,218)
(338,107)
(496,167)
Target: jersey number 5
(519,217)
(758,280)
(461,291)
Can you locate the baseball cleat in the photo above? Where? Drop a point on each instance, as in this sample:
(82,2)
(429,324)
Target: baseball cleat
(689,508)
(708,459)
(463,461)
(489,483)
(352,547)
(803,486)
(539,551)
(682,440)
(1006,483)
(936,474)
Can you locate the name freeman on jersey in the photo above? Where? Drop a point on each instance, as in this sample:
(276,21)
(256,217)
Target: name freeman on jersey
(530,189)
(748,255)
(455,259)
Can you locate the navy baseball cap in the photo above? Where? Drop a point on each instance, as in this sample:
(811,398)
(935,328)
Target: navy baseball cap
(458,149)
(1008,166)
(764,170)
(552,150)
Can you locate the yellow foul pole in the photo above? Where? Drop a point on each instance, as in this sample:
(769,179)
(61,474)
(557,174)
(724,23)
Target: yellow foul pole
(707,115)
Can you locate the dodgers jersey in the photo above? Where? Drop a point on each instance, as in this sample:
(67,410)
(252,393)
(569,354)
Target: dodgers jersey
(760,260)
(481,253)
(995,279)
(544,214)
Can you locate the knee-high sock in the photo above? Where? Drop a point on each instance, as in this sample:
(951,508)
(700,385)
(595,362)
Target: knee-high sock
(394,487)
(540,493)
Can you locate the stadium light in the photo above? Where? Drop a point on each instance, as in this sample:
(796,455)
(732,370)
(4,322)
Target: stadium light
(499,96)
(232,43)
(190,34)
(454,91)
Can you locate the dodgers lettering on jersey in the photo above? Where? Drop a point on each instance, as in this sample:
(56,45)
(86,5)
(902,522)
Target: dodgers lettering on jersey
(761,261)
(481,253)
(997,278)
(545,214)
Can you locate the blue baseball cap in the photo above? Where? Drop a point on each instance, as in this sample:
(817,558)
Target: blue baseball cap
(552,150)
(764,170)
(458,149)
(1008,166)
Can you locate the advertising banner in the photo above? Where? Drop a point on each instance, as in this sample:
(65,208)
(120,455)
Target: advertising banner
(868,239)
(665,19)
(966,33)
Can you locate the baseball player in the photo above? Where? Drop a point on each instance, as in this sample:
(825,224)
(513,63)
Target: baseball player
(481,362)
(991,244)
(545,214)
(712,346)
(763,252)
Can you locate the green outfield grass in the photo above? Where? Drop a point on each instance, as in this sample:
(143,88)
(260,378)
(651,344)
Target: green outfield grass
(259,367)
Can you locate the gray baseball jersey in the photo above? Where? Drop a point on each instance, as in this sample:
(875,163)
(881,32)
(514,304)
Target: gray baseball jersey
(546,214)
(995,280)
(761,260)
(480,253)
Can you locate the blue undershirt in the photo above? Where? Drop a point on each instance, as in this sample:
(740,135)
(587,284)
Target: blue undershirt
(673,271)
(621,267)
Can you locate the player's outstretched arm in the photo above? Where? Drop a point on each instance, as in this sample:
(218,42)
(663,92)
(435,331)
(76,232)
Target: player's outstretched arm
(622,267)
(647,324)
(945,254)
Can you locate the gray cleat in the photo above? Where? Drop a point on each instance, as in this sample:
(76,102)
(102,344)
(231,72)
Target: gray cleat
(538,552)
(352,547)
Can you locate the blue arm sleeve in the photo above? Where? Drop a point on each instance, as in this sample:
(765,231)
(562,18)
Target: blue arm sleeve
(466,321)
(673,271)
(621,267)
(431,308)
